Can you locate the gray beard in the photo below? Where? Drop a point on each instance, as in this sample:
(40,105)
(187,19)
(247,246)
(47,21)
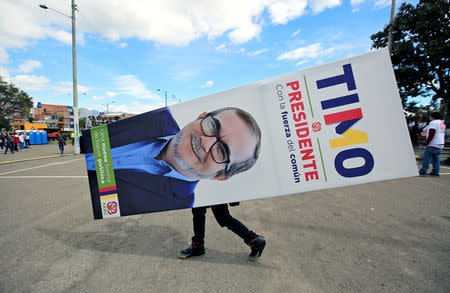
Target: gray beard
(181,163)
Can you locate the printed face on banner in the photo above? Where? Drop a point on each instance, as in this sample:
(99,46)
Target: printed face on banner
(208,146)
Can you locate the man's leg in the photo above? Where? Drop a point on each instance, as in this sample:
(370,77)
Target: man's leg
(197,246)
(436,161)
(199,219)
(224,218)
(426,158)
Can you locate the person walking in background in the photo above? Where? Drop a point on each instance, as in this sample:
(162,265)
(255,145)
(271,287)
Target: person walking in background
(2,140)
(435,133)
(27,139)
(8,143)
(61,142)
(16,142)
(22,141)
(414,132)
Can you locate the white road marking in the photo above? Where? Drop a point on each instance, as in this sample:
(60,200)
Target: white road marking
(36,167)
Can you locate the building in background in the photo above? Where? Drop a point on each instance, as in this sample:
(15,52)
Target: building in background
(57,117)
(106,118)
(17,114)
(29,126)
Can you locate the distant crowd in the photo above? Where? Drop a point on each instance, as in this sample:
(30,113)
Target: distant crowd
(14,141)
(417,126)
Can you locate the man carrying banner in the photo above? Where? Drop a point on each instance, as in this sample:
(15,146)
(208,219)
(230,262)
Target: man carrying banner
(223,217)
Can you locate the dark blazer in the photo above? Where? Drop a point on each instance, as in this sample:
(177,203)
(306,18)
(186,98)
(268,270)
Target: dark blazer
(140,192)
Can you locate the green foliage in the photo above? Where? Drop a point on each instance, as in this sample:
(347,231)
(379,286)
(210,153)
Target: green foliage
(12,98)
(420,49)
(82,123)
(4,124)
(422,110)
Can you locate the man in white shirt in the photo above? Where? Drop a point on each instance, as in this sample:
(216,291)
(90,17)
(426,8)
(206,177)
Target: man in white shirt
(22,140)
(433,145)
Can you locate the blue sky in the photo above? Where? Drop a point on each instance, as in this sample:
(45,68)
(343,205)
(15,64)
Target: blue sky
(126,50)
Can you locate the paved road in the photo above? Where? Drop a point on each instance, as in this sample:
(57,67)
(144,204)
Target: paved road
(391,236)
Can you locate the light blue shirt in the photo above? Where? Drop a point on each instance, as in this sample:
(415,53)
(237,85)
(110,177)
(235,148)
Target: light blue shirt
(140,156)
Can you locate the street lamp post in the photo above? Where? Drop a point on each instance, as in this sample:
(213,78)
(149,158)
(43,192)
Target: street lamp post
(165,93)
(179,100)
(391,22)
(75,85)
(165,96)
(107,107)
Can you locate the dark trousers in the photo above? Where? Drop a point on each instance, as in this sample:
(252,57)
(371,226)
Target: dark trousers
(9,146)
(224,219)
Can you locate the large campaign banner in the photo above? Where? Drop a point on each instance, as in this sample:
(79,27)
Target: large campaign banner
(333,125)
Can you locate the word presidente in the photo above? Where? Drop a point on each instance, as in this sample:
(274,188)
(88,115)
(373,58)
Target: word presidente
(302,131)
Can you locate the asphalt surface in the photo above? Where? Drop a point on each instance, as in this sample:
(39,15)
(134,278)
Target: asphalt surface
(391,236)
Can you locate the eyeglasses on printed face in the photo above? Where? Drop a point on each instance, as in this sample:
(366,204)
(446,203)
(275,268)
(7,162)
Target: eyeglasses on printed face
(220,151)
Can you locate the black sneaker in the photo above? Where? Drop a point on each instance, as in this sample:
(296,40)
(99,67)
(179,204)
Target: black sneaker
(195,249)
(257,245)
(433,175)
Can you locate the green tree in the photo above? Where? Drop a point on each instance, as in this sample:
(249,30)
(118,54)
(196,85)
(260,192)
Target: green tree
(12,99)
(82,122)
(5,124)
(420,50)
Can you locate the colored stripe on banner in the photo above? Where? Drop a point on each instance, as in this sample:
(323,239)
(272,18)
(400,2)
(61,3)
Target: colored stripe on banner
(108,192)
(105,197)
(105,172)
(107,189)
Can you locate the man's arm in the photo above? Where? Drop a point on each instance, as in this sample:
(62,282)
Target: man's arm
(431,133)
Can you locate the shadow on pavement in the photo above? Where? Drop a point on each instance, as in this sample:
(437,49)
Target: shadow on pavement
(155,240)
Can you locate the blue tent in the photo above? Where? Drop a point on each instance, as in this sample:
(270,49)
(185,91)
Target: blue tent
(44,137)
(37,134)
(32,137)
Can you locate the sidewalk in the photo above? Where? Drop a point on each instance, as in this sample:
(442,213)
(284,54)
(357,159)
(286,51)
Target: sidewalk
(34,152)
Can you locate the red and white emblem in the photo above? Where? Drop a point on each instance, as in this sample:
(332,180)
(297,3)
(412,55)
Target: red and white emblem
(316,126)
(112,207)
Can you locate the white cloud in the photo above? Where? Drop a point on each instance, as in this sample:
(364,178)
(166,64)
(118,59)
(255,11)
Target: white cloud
(29,65)
(133,108)
(209,83)
(320,5)
(296,32)
(30,82)
(3,56)
(356,2)
(4,73)
(258,52)
(98,98)
(283,11)
(111,94)
(221,47)
(123,45)
(130,85)
(382,3)
(244,33)
(62,36)
(174,23)
(311,51)
(67,87)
